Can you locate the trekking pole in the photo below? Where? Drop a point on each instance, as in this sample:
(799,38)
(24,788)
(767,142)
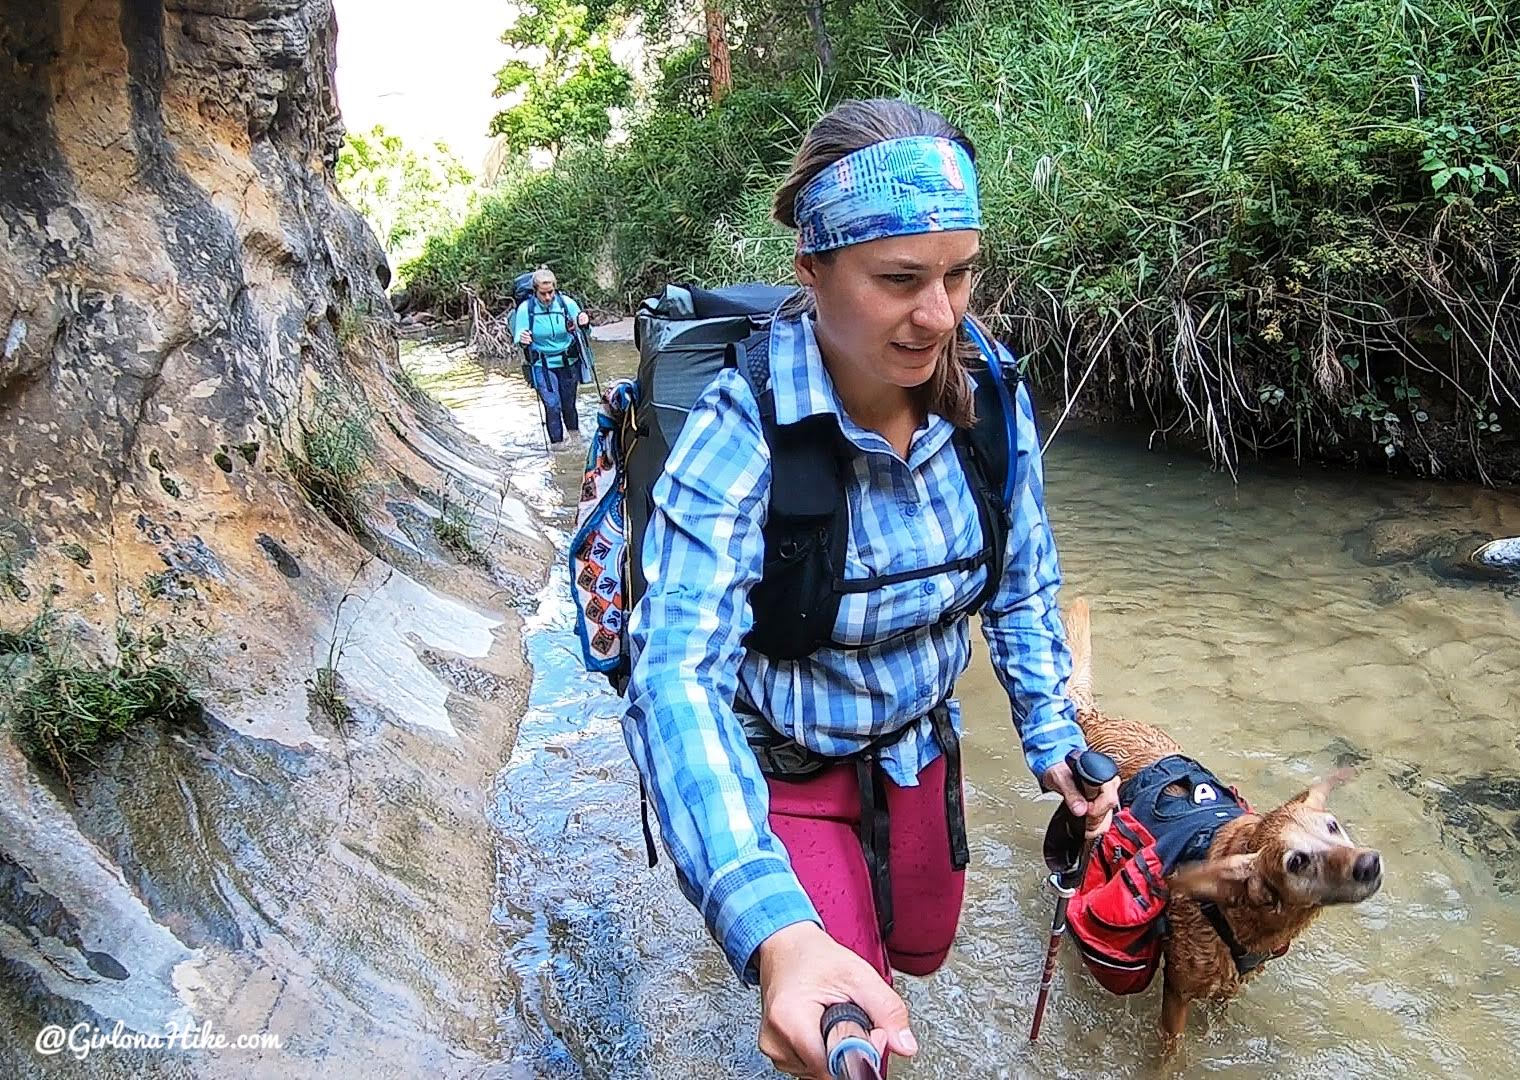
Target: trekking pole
(538,395)
(851,1055)
(1091,770)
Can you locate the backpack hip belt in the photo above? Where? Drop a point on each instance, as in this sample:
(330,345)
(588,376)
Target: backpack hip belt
(786,759)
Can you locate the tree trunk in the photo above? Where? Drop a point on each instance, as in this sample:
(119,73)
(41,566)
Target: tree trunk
(719,69)
(821,44)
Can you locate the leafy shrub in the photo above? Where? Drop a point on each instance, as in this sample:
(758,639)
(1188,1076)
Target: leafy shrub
(1187,201)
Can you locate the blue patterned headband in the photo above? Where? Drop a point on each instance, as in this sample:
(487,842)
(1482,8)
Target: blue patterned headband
(900,187)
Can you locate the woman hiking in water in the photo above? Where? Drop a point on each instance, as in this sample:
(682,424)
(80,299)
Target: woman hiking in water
(791,711)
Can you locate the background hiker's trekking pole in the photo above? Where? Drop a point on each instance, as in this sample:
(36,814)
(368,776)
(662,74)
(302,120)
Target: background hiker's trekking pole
(851,1056)
(1067,868)
(538,395)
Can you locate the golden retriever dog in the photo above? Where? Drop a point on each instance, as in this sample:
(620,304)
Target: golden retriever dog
(1269,874)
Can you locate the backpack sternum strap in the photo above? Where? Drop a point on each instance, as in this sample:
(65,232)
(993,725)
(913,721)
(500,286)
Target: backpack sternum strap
(990,512)
(797,599)
(796,603)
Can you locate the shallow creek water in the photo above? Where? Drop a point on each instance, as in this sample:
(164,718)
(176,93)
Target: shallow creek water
(1273,628)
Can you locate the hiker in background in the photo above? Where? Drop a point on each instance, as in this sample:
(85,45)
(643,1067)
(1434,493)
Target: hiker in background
(813,806)
(545,324)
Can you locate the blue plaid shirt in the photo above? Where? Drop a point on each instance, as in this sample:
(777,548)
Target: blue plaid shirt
(703,554)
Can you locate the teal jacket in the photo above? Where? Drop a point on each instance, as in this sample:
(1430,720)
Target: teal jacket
(551,337)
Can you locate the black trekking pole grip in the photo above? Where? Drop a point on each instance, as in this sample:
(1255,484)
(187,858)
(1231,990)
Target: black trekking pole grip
(1091,770)
(853,1056)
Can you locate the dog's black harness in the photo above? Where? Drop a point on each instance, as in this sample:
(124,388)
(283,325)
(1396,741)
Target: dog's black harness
(1245,962)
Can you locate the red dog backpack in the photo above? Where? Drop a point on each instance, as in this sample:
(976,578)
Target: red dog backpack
(1118,916)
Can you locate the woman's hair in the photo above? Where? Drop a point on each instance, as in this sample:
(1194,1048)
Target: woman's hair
(544,276)
(852,126)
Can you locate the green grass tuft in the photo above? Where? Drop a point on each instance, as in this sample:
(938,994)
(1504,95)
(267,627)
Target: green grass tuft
(62,707)
(333,468)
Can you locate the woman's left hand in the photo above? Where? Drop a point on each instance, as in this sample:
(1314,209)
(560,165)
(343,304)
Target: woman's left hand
(583,319)
(1099,812)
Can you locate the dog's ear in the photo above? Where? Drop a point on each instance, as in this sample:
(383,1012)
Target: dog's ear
(1229,882)
(1316,796)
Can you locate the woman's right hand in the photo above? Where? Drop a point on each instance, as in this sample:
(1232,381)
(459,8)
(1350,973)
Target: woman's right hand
(1099,812)
(525,338)
(802,972)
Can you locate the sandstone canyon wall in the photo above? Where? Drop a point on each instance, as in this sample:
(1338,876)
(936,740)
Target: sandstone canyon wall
(186,304)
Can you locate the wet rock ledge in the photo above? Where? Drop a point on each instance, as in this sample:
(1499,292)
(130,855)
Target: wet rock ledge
(214,479)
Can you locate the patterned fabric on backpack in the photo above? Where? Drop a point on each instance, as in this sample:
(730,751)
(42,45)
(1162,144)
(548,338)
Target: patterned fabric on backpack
(597,549)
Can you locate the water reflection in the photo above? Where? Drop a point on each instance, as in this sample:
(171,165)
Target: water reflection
(1249,623)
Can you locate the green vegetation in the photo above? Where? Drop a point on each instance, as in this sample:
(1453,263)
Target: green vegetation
(333,468)
(11,585)
(406,379)
(325,687)
(454,529)
(76,553)
(62,707)
(1271,224)
(327,693)
(354,323)
(29,640)
(646,207)
(565,95)
(405,194)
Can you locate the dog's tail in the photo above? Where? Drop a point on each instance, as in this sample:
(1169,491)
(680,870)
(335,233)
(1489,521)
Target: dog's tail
(1079,639)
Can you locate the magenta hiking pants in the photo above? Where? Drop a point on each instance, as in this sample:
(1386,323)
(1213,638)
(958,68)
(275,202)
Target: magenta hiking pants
(818,820)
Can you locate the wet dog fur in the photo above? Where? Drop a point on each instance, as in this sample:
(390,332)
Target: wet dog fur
(1270,873)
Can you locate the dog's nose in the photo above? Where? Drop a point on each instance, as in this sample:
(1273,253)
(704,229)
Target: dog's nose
(1368,867)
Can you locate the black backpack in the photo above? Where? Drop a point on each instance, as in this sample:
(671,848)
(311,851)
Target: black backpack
(685,337)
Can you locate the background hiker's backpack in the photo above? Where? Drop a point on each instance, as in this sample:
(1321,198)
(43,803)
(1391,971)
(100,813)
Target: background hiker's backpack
(684,337)
(522,288)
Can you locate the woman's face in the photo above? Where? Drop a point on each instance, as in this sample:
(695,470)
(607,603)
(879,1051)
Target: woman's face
(886,308)
(546,291)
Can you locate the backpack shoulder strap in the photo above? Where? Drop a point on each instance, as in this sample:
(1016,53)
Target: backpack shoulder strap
(752,357)
(993,435)
(805,454)
(807,521)
(988,452)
